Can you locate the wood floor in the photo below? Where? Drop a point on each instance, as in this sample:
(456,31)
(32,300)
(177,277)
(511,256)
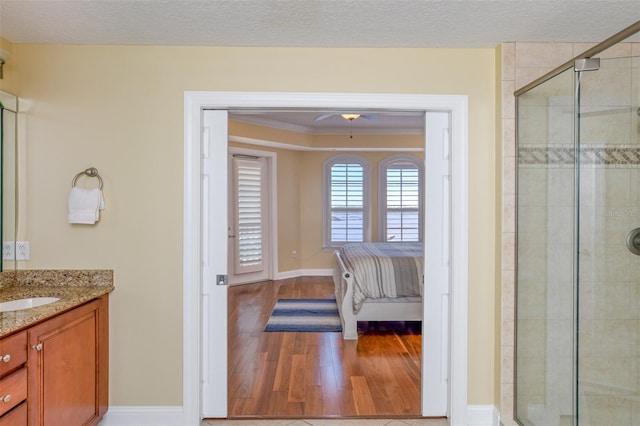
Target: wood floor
(287,374)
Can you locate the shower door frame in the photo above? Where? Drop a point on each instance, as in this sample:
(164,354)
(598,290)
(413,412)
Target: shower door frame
(590,53)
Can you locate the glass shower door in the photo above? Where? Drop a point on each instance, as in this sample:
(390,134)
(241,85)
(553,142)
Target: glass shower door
(545,334)
(608,286)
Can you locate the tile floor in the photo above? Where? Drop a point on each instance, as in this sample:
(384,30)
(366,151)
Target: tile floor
(327,422)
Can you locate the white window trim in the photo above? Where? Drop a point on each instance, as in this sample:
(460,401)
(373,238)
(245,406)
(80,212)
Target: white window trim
(327,244)
(382,191)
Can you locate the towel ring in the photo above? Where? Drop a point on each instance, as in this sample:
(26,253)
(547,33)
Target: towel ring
(91,172)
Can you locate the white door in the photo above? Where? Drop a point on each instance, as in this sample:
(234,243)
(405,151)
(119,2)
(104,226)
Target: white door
(435,332)
(248,227)
(214,263)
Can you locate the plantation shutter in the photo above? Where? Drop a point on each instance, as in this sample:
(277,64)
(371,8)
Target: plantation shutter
(249,204)
(347,202)
(403,202)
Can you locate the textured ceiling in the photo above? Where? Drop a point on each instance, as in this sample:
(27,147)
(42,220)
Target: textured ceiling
(317,23)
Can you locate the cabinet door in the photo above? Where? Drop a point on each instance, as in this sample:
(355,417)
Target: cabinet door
(65,375)
(16,417)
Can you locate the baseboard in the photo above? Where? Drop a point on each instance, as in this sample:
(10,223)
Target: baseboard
(304,273)
(477,415)
(143,416)
(483,415)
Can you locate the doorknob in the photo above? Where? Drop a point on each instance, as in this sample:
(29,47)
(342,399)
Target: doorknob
(633,241)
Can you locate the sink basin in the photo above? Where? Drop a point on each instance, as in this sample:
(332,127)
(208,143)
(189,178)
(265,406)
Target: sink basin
(32,302)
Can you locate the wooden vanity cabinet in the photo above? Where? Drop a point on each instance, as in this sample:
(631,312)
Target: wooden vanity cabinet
(68,367)
(13,380)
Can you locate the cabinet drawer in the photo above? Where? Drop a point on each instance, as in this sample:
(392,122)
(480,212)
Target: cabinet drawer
(13,352)
(13,390)
(16,417)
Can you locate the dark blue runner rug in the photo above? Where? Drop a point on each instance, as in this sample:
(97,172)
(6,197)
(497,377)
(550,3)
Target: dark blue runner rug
(304,315)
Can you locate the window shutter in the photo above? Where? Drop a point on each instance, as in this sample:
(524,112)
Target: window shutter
(347,202)
(402,202)
(249,215)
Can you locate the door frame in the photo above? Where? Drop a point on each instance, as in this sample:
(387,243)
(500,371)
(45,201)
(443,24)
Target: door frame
(196,102)
(272,225)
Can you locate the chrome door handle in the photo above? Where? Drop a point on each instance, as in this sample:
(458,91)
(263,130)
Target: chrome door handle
(633,241)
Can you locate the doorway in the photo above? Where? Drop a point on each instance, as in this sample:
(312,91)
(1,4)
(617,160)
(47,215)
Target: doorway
(452,306)
(252,227)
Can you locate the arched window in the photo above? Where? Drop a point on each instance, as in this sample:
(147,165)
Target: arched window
(401,192)
(346,200)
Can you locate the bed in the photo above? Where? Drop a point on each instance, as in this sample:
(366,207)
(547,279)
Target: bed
(378,282)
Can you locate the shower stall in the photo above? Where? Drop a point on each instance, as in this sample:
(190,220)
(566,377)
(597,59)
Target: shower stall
(577,358)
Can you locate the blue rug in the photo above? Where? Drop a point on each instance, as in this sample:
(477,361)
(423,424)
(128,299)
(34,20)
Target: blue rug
(304,315)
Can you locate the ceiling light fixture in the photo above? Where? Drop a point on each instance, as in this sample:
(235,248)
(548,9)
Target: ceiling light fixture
(350,117)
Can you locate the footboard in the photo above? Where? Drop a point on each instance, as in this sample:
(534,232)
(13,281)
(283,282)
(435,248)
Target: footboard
(343,280)
(397,309)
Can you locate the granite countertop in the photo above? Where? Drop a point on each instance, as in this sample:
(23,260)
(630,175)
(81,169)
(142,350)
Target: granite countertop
(73,287)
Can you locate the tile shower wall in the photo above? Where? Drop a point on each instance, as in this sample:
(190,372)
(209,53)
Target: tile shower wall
(614,161)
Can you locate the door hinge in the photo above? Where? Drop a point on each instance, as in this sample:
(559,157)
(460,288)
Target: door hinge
(586,64)
(222,279)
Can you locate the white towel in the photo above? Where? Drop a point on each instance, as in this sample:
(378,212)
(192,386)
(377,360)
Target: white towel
(85,205)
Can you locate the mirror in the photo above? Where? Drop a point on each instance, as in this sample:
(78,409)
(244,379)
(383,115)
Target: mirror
(8,183)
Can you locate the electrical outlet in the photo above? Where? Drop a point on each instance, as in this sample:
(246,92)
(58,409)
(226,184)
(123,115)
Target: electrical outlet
(8,250)
(294,254)
(22,250)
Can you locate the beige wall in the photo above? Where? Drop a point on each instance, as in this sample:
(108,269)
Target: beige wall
(120,109)
(7,83)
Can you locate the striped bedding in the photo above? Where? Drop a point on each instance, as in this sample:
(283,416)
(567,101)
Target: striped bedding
(384,270)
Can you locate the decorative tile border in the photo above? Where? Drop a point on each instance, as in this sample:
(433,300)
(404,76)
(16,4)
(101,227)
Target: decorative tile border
(591,155)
